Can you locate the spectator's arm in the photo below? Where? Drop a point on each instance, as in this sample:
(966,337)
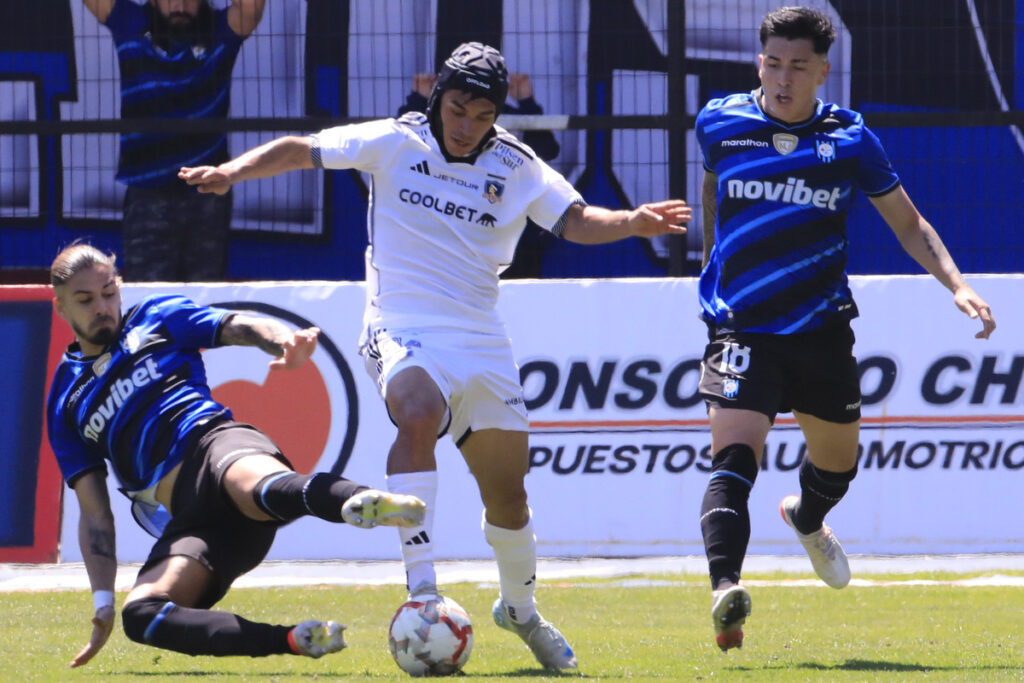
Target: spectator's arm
(542,142)
(413,102)
(709,206)
(244,16)
(422,87)
(100,8)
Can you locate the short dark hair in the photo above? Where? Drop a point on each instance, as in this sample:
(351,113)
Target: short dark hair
(76,257)
(793,23)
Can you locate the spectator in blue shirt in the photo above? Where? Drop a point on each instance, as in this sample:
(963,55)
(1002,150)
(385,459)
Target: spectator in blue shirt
(176,58)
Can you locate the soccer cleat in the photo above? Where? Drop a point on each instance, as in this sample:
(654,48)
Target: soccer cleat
(317,638)
(730,607)
(827,555)
(370,508)
(544,640)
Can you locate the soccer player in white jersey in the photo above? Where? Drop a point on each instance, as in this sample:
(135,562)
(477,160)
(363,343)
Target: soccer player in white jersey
(451,192)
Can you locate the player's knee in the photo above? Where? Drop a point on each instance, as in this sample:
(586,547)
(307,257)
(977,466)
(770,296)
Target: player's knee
(507,513)
(141,616)
(735,462)
(418,414)
(420,421)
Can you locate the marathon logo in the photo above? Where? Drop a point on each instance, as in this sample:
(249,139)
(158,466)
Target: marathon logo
(793,191)
(744,143)
(441,206)
(119,393)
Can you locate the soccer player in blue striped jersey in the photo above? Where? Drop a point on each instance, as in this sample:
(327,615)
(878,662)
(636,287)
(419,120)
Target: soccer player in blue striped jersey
(131,395)
(781,172)
(175,59)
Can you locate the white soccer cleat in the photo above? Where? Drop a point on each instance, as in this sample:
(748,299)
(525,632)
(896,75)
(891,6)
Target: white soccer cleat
(544,640)
(317,638)
(371,508)
(826,553)
(730,607)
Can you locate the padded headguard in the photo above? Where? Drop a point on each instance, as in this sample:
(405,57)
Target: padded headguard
(475,68)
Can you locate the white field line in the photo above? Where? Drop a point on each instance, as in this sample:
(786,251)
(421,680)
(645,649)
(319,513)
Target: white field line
(690,570)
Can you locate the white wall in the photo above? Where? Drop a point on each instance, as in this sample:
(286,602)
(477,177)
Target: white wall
(964,450)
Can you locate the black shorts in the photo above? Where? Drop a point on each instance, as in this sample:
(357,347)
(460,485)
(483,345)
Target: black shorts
(206,525)
(812,372)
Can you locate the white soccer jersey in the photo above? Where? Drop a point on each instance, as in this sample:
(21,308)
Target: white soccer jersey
(440,232)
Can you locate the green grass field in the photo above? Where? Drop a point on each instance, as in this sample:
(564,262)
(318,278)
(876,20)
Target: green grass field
(637,628)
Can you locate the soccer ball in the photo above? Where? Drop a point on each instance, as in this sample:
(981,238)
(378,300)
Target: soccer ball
(430,637)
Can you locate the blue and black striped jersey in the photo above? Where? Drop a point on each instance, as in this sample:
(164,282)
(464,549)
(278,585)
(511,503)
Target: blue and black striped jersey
(135,404)
(778,264)
(183,81)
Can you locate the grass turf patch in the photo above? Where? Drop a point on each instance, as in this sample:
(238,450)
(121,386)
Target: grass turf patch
(641,630)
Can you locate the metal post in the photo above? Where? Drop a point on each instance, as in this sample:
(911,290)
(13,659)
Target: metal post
(676,22)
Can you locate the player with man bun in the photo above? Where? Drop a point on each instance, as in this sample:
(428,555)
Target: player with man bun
(451,194)
(130,395)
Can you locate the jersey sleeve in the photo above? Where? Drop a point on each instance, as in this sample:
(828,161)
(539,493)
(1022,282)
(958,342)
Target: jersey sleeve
(362,146)
(876,176)
(557,195)
(73,458)
(192,325)
(702,138)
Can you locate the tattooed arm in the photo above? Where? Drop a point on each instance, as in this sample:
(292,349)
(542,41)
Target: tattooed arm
(919,239)
(709,211)
(290,349)
(97,541)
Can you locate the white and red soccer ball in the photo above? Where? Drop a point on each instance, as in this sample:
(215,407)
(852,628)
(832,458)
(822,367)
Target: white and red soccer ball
(430,637)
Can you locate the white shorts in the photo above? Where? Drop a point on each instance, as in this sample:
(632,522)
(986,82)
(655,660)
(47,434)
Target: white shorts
(476,373)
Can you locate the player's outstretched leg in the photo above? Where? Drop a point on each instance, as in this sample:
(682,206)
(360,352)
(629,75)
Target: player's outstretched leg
(544,640)
(317,638)
(371,508)
(826,553)
(730,607)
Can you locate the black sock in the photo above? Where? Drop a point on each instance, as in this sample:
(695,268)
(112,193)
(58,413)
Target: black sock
(286,496)
(724,518)
(820,491)
(157,622)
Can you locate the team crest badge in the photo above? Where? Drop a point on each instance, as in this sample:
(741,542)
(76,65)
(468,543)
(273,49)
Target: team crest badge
(100,365)
(785,143)
(825,149)
(493,190)
(730,388)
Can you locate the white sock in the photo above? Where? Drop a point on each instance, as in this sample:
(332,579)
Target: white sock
(417,541)
(516,553)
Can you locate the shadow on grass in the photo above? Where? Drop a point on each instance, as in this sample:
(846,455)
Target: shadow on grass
(870,665)
(879,666)
(237,674)
(360,675)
